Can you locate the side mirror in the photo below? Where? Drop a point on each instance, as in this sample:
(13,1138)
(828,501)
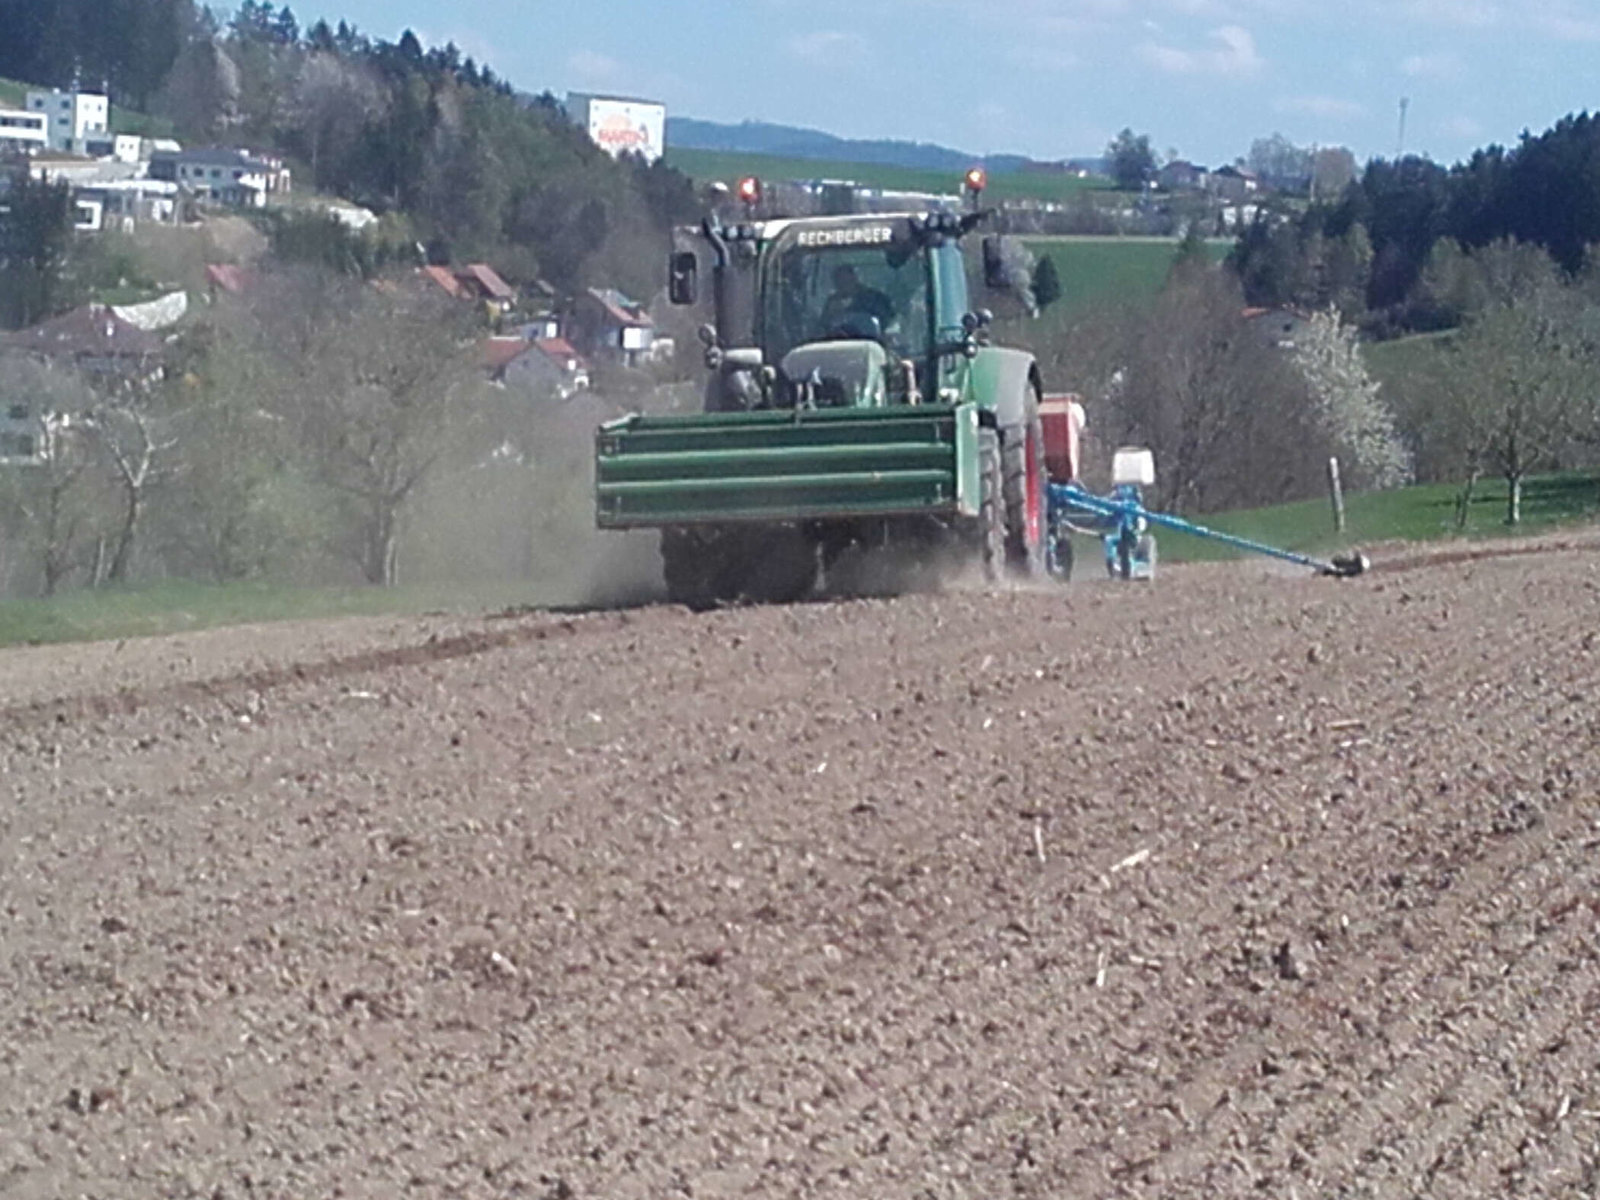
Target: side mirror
(683,277)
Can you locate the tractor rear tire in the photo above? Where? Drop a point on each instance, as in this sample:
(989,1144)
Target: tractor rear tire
(778,565)
(1026,515)
(695,567)
(991,531)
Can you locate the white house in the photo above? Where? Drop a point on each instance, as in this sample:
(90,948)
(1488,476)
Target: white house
(72,116)
(123,203)
(48,166)
(229,177)
(23,130)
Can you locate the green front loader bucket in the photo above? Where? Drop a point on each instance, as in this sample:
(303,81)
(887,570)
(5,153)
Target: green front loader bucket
(787,465)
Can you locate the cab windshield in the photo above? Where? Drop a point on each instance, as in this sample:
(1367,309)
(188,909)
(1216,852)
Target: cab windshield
(814,294)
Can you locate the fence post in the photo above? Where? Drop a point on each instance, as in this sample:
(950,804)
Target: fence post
(1336,493)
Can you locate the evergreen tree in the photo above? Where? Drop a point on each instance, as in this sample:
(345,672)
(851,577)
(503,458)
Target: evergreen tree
(1133,163)
(1046,283)
(254,22)
(35,239)
(285,29)
(1191,250)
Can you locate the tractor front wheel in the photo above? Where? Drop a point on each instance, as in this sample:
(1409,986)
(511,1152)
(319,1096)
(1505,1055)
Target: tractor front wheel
(991,530)
(1026,516)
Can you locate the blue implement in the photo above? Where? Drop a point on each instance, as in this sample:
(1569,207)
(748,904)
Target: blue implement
(1122,521)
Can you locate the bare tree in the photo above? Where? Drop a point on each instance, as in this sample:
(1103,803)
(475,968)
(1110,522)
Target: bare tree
(1460,283)
(1224,412)
(370,382)
(1281,163)
(333,98)
(129,435)
(1521,379)
(202,91)
(1333,168)
(54,501)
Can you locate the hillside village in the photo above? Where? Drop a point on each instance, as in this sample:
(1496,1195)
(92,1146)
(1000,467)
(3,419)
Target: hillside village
(535,340)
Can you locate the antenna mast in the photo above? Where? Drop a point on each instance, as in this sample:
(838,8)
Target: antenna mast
(1400,145)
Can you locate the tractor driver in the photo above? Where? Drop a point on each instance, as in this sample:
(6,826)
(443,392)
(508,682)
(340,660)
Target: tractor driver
(853,300)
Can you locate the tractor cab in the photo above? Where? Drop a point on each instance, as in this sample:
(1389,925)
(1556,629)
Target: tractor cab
(842,311)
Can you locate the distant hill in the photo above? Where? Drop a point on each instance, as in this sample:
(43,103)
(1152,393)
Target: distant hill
(789,141)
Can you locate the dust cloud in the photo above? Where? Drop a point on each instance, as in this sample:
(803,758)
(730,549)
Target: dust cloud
(518,525)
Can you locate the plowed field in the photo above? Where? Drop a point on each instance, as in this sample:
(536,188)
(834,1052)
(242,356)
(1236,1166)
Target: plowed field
(1241,884)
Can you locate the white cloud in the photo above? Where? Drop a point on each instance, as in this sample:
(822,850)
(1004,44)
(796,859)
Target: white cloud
(1233,52)
(827,47)
(1566,27)
(1331,108)
(1044,58)
(1443,65)
(592,68)
(1472,14)
(1563,20)
(1464,128)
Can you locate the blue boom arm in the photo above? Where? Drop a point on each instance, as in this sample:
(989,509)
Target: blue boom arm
(1124,512)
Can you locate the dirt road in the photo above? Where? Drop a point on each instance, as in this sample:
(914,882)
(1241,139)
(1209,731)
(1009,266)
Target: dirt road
(1240,884)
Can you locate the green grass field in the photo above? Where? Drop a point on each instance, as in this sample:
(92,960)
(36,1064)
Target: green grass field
(1102,270)
(1093,270)
(709,165)
(1416,514)
(180,607)
(125,120)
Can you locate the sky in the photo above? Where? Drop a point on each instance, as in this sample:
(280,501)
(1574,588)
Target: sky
(1051,78)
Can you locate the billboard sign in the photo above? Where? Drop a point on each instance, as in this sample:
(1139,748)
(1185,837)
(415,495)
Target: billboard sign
(621,126)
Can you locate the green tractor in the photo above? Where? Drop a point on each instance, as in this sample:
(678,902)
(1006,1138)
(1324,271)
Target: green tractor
(855,414)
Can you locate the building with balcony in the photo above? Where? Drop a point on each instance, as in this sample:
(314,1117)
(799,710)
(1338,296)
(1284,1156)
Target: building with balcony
(72,117)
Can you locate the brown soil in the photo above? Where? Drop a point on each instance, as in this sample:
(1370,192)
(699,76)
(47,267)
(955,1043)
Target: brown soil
(1237,884)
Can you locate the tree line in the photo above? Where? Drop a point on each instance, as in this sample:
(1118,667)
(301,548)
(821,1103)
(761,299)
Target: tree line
(1243,411)
(1368,250)
(126,47)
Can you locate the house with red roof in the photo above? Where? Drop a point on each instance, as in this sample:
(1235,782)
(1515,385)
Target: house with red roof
(475,281)
(536,366)
(608,325)
(94,341)
(227,277)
